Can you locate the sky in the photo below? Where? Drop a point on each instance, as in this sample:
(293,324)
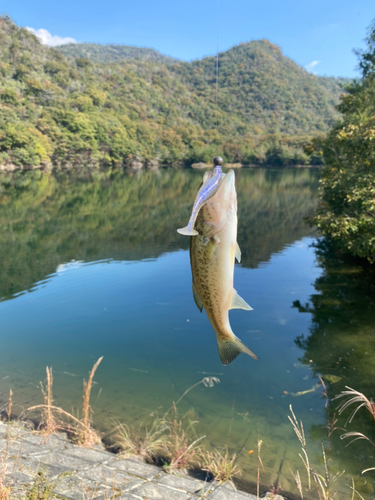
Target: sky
(319,35)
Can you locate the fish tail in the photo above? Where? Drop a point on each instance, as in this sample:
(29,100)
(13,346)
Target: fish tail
(230,348)
(187,231)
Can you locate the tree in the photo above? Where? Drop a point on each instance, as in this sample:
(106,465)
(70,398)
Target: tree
(346,212)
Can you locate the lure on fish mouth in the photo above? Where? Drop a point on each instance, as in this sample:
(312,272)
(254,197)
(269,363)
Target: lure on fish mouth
(211,182)
(212,254)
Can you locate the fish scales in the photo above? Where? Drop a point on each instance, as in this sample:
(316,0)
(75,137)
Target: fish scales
(212,254)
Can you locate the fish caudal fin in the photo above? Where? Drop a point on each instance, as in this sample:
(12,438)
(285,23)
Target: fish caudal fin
(229,349)
(187,231)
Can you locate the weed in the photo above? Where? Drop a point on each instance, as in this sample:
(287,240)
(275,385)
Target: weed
(300,433)
(5,489)
(48,423)
(82,429)
(220,464)
(43,488)
(259,463)
(356,397)
(323,482)
(179,446)
(146,440)
(88,437)
(206,381)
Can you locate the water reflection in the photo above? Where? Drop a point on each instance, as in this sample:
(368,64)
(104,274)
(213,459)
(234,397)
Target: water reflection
(102,255)
(340,346)
(47,220)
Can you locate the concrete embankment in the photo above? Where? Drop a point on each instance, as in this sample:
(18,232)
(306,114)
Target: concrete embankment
(76,473)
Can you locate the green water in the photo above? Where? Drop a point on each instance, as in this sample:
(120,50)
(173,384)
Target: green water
(92,265)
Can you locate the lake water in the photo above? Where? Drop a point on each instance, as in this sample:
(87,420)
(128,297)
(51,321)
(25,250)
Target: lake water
(92,265)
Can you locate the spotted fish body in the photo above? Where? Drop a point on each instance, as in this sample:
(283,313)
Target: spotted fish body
(209,187)
(212,254)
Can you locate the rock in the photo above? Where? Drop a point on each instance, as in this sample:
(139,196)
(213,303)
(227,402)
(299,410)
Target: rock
(201,165)
(272,496)
(233,165)
(135,163)
(153,164)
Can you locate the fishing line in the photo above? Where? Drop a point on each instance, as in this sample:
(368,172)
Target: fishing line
(217,73)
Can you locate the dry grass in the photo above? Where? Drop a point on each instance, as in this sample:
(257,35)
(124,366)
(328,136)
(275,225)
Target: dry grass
(259,463)
(355,397)
(206,381)
(323,482)
(48,424)
(300,433)
(82,429)
(220,464)
(170,435)
(180,447)
(88,436)
(42,487)
(146,440)
(5,489)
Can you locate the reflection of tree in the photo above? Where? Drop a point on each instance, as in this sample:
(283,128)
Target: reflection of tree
(341,344)
(46,219)
(271,208)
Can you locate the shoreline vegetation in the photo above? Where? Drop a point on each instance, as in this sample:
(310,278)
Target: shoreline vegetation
(137,166)
(61,108)
(346,212)
(172,441)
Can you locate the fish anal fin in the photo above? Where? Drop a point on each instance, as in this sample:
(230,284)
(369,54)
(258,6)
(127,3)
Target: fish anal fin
(239,303)
(230,348)
(197,299)
(238,253)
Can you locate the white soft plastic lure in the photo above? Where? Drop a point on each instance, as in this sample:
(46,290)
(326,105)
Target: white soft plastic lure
(209,187)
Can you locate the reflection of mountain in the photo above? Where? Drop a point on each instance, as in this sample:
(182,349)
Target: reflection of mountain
(46,220)
(341,343)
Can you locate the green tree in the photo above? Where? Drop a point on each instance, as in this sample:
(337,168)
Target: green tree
(347,210)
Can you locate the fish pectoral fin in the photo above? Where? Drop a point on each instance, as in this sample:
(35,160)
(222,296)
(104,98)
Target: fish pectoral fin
(239,303)
(238,253)
(210,247)
(197,299)
(230,348)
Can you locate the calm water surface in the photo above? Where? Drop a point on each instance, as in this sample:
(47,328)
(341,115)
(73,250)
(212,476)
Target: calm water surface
(92,265)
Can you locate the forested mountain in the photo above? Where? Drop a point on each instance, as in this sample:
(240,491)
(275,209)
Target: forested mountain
(112,53)
(141,111)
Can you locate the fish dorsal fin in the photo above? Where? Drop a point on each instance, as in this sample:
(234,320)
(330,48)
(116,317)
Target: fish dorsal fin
(238,253)
(197,299)
(238,302)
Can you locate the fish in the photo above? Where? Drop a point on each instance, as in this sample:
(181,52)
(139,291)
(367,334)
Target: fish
(212,255)
(211,183)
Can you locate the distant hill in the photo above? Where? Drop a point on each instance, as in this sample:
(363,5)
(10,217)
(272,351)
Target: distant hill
(113,53)
(265,88)
(140,111)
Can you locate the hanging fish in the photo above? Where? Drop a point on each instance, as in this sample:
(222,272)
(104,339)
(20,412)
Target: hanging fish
(211,182)
(212,254)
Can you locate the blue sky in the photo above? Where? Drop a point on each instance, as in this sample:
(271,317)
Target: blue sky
(319,33)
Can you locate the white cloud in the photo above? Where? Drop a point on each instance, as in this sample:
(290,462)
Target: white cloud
(311,66)
(52,40)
